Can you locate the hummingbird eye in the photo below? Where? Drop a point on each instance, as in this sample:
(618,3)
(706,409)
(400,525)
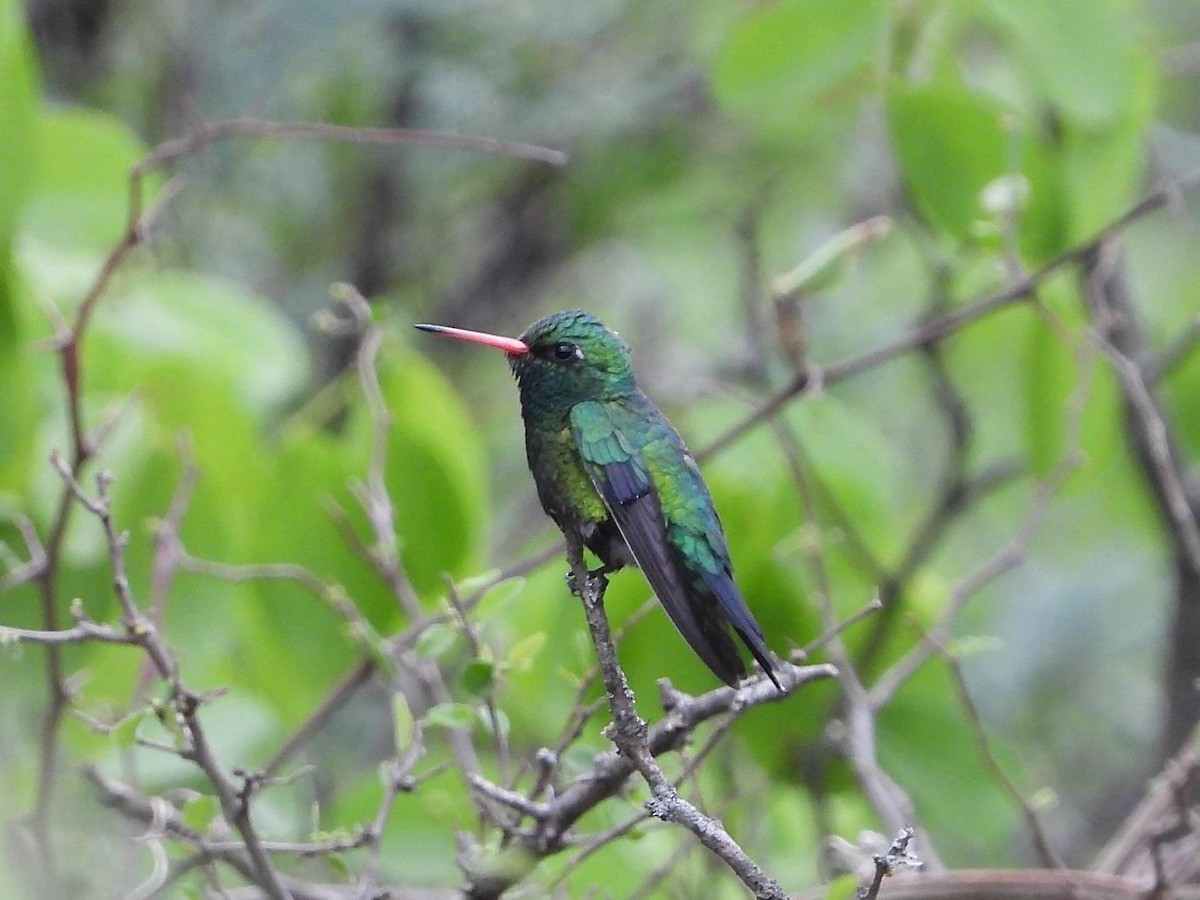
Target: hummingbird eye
(564,351)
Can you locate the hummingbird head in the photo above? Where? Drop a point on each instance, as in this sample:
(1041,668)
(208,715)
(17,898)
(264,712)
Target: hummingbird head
(561,359)
(572,357)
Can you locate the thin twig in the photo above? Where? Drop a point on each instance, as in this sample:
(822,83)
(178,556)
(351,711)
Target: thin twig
(887,863)
(36,563)
(234,801)
(489,698)
(891,803)
(210,132)
(1041,840)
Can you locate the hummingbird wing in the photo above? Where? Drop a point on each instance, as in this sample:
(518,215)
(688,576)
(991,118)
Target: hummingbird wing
(670,526)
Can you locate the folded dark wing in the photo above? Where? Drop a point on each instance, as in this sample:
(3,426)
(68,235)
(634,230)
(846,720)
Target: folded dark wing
(616,466)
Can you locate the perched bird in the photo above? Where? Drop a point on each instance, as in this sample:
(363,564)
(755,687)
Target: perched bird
(614,475)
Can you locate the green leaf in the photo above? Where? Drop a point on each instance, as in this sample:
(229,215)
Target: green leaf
(970,645)
(403,724)
(842,888)
(1050,373)
(498,598)
(972,165)
(125,731)
(525,651)
(175,321)
(1083,54)
(80,198)
(21,380)
(18,110)
(436,641)
(199,812)
(337,862)
(479,676)
(926,740)
(484,580)
(18,154)
(791,61)
(950,145)
(450,715)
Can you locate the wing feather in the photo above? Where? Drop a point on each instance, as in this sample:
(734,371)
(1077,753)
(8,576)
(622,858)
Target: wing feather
(623,481)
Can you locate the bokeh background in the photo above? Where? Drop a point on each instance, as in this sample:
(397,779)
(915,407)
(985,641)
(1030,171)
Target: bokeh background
(713,146)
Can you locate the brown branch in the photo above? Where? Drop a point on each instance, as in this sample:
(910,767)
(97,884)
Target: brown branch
(69,343)
(918,337)
(637,747)
(139,808)
(1168,813)
(1152,436)
(83,631)
(315,721)
(83,447)
(692,766)
(208,133)
(611,771)
(366,668)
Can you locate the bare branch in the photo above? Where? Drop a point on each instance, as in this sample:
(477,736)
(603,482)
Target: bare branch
(949,323)
(1168,813)
(83,631)
(234,802)
(36,564)
(887,863)
(630,735)
(210,132)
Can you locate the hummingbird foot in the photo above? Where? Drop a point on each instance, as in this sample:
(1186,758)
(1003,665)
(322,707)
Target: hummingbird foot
(600,573)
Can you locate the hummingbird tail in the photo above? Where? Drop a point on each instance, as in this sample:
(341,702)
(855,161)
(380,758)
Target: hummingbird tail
(743,621)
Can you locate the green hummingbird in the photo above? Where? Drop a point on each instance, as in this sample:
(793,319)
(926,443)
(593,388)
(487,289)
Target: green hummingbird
(615,476)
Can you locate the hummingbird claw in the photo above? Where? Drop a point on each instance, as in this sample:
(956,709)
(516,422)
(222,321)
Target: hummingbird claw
(599,573)
(572,583)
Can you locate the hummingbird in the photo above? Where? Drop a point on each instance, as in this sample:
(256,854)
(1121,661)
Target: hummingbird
(616,477)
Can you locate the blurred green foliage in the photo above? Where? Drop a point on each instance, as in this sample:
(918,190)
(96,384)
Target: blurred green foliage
(995,133)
